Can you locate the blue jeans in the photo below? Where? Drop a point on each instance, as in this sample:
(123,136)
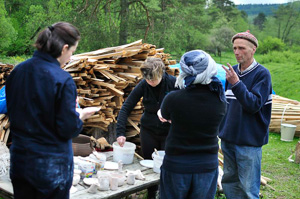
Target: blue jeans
(242,171)
(188,186)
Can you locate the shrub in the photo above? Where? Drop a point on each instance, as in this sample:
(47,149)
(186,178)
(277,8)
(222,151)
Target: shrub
(280,57)
(270,44)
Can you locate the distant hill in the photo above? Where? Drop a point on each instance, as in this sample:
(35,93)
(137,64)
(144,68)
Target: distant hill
(255,9)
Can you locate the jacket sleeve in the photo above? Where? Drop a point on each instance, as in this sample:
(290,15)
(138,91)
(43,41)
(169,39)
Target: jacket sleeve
(127,107)
(68,124)
(253,100)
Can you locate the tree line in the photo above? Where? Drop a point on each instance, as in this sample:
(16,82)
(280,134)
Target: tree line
(176,25)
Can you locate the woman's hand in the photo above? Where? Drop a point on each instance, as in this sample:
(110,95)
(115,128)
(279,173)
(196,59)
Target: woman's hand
(87,112)
(161,118)
(121,140)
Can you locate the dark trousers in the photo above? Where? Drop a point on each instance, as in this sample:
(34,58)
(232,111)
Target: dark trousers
(149,141)
(188,186)
(24,190)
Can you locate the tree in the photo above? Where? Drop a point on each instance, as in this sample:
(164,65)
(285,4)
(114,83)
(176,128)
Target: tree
(227,7)
(221,40)
(7,32)
(260,20)
(287,20)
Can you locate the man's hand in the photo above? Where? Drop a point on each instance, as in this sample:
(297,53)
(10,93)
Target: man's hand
(121,140)
(231,75)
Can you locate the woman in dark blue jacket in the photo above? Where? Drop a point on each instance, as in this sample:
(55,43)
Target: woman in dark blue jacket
(153,88)
(43,120)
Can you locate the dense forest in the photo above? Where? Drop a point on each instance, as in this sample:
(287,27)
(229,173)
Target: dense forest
(255,9)
(176,25)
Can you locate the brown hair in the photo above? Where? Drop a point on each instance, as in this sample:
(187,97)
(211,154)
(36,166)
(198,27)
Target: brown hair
(153,69)
(52,39)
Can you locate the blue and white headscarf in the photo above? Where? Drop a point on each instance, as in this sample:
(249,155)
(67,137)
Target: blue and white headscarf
(197,67)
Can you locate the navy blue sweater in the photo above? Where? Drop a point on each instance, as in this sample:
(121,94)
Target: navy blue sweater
(41,100)
(196,114)
(249,108)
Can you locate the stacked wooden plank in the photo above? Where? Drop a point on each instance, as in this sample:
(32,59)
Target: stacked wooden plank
(105,77)
(4,128)
(5,70)
(285,111)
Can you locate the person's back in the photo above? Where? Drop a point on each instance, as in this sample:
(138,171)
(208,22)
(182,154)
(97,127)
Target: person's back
(196,115)
(39,82)
(190,166)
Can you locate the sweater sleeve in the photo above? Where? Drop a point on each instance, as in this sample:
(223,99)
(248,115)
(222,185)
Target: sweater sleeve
(68,124)
(254,99)
(127,107)
(165,107)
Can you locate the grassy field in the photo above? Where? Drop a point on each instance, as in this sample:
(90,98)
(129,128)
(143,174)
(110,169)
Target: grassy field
(275,165)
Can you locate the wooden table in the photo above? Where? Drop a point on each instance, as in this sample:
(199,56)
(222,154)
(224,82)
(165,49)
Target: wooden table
(152,178)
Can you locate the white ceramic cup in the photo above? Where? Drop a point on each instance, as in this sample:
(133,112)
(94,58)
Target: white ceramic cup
(76,178)
(131,179)
(114,183)
(103,183)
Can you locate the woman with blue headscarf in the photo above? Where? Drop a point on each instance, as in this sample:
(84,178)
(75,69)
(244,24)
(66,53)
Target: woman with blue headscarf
(190,166)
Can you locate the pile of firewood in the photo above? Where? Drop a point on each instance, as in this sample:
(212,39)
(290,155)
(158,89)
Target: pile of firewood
(105,77)
(5,70)
(285,111)
(4,128)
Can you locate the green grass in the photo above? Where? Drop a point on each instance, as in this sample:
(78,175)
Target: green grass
(13,60)
(285,175)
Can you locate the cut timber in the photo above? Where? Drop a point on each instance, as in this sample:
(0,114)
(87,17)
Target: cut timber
(133,69)
(110,76)
(131,133)
(133,124)
(130,76)
(2,116)
(286,111)
(104,76)
(6,136)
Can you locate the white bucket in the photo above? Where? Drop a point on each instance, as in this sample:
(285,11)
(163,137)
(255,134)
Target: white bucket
(158,160)
(125,153)
(287,132)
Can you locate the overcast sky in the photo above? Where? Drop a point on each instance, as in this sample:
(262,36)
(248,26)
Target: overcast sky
(259,1)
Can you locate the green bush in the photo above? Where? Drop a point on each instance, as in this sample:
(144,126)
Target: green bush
(280,57)
(270,44)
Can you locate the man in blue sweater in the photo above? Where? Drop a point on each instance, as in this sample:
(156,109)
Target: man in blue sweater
(244,129)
